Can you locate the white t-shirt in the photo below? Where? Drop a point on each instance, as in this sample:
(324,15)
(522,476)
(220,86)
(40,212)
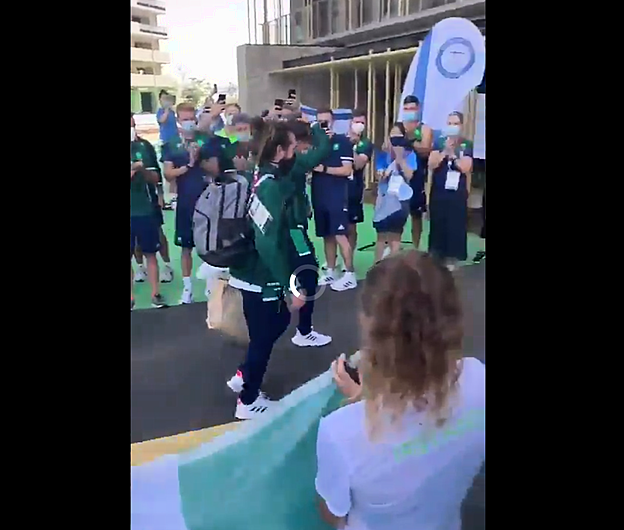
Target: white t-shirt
(415,477)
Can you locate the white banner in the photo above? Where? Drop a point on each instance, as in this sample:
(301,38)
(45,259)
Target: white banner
(448,65)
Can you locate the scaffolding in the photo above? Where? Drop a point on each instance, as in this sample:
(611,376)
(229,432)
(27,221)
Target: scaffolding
(373,81)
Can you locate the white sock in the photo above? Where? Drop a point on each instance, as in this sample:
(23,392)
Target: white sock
(187,283)
(329,272)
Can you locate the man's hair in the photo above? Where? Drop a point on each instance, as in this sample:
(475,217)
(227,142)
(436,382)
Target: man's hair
(264,113)
(162,93)
(241,118)
(185,106)
(233,105)
(324,110)
(411,99)
(359,112)
(300,129)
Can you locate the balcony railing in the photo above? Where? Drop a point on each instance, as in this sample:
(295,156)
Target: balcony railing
(323,18)
(145,30)
(149,56)
(151,81)
(154,6)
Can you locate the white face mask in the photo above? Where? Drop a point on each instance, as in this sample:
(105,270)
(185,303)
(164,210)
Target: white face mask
(132,134)
(358,128)
(452,130)
(228,119)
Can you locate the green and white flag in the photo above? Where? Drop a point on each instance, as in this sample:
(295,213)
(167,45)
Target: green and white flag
(259,476)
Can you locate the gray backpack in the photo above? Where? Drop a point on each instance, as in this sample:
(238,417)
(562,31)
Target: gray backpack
(221,228)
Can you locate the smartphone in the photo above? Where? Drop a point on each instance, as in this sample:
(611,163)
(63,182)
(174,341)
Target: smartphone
(279,104)
(324,125)
(221,99)
(292,94)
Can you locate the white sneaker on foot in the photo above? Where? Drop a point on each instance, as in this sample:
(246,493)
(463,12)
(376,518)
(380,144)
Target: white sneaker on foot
(140,275)
(187,297)
(327,277)
(166,273)
(346,282)
(236,383)
(311,339)
(255,409)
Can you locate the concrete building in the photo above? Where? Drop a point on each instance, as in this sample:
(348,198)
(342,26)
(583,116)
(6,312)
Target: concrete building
(343,53)
(146,57)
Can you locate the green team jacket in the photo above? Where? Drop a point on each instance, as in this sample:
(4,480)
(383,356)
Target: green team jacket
(304,163)
(269,267)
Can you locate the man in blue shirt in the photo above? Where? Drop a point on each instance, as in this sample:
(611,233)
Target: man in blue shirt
(330,204)
(168,126)
(362,155)
(182,166)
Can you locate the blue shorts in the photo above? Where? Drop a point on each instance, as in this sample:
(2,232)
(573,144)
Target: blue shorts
(418,202)
(330,220)
(184,227)
(159,215)
(394,223)
(145,233)
(356,212)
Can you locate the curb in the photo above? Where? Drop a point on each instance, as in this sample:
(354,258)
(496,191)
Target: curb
(144,452)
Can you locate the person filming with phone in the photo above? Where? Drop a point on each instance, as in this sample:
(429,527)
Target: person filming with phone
(330,204)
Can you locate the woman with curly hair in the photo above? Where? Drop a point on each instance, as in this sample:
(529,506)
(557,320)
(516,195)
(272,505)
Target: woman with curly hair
(404,452)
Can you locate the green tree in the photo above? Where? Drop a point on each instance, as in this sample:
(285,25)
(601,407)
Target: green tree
(192,89)
(195,90)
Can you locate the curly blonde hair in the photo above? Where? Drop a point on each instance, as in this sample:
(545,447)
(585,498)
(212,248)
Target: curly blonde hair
(412,337)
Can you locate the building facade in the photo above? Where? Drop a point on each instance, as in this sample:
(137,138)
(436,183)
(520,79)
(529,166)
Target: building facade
(342,53)
(146,57)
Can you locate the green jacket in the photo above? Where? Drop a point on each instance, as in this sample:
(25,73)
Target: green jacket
(269,267)
(304,163)
(143,194)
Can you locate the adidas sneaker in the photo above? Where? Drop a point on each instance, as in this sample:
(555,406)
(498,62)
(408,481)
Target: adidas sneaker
(311,339)
(255,409)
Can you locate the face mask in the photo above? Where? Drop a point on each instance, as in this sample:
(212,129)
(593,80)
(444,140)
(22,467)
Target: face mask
(187,126)
(358,128)
(411,115)
(243,137)
(398,141)
(452,130)
(228,119)
(132,134)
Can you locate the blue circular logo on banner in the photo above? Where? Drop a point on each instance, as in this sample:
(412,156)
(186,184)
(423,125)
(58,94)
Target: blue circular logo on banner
(455,57)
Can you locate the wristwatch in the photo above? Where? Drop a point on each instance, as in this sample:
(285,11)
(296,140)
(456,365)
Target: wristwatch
(324,168)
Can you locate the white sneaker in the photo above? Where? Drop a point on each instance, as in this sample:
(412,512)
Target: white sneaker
(166,273)
(140,275)
(236,383)
(327,278)
(257,408)
(311,339)
(346,282)
(187,297)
